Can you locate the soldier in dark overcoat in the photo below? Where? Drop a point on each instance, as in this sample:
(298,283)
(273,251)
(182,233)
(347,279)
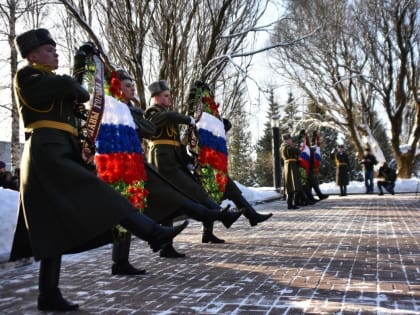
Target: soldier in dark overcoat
(167,154)
(341,160)
(64,207)
(290,155)
(164,202)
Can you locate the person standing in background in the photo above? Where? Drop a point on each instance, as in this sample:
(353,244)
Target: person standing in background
(290,154)
(368,161)
(341,160)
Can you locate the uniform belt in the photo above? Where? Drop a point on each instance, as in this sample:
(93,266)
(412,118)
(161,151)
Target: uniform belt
(165,141)
(291,160)
(52,124)
(342,164)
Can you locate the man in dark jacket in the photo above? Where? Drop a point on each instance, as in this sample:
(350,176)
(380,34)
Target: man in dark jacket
(59,210)
(368,161)
(388,177)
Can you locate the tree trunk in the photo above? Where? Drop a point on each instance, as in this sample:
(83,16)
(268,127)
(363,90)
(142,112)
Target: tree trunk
(405,164)
(15,140)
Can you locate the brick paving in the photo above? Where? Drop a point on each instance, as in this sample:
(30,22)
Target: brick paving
(358,254)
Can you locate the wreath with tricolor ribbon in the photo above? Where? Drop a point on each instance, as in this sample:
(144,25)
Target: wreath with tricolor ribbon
(211,149)
(119,155)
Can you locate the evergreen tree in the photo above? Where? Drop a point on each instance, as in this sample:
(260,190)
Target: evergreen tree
(264,163)
(288,119)
(328,139)
(240,149)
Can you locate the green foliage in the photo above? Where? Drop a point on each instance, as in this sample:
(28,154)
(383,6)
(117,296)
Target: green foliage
(208,175)
(328,138)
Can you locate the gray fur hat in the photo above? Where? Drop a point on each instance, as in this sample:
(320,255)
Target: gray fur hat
(157,87)
(32,39)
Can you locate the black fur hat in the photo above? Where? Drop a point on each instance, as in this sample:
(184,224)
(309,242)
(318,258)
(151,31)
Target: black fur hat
(157,87)
(32,39)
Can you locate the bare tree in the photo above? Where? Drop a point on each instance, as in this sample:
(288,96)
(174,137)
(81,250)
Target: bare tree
(335,67)
(391,39)
(180,41)
(12,11)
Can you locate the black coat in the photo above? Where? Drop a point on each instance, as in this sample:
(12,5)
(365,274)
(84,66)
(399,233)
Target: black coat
(290,156)
(169,159)
(342,168)
(369,161)
(66,207)
(165,200)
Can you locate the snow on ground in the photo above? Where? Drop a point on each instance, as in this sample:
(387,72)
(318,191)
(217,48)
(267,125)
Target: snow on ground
(9,203)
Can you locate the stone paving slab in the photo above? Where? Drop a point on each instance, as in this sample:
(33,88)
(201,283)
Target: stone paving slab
(345,255)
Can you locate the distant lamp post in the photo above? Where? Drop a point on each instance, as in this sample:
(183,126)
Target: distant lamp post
(275,125)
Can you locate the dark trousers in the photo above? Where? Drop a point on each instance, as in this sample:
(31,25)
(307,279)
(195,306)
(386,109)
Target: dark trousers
(387,185)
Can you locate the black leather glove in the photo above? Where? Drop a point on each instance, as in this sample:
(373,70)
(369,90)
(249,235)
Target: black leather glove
(88,48)
(227,124)
(80,59)
(79,65)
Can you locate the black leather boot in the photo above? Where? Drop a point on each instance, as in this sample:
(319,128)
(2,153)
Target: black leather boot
(208,236)
(120,253)
(229,217)
(291,201)
(250,213)
(145,228)
(320,195)
(203,214)
(50,298)
(309,195)
(168,251)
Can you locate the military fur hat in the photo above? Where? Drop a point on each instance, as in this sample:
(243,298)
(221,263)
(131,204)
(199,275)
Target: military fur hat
(123,75)
(32,39)
(157,87)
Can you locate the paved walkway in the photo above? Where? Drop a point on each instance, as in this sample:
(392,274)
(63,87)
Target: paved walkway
(345,255)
